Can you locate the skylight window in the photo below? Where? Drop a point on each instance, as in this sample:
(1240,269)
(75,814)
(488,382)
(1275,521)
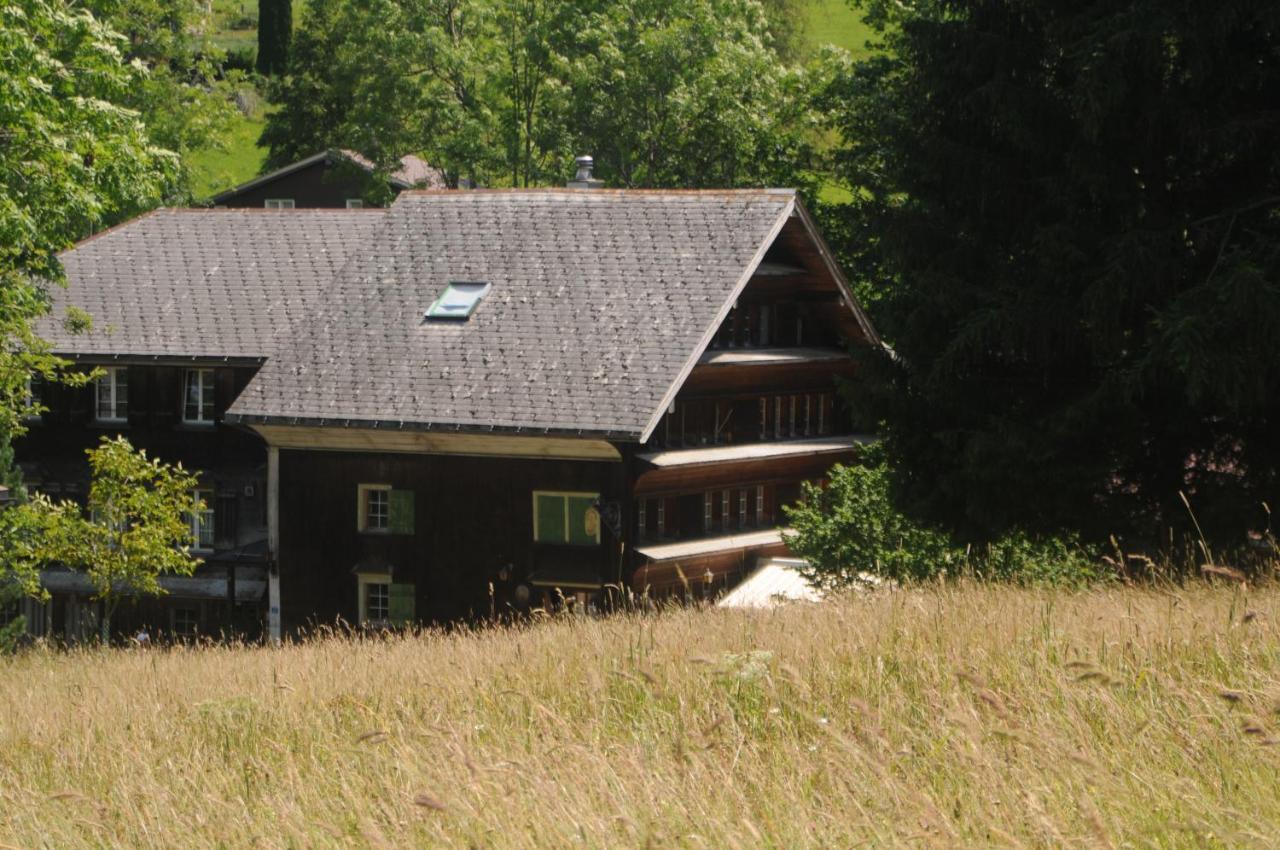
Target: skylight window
(458,301)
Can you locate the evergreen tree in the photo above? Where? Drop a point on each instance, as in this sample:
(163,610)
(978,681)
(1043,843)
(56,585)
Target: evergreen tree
(1076,211)
(275,30)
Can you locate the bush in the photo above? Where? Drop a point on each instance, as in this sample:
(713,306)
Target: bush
(851,529)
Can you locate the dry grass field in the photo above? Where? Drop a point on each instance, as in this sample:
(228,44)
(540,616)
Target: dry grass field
(964,716)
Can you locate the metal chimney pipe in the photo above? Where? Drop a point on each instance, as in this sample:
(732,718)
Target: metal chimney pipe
(583,179)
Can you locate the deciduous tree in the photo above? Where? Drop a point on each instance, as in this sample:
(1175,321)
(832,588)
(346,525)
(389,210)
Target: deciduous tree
(138,526)
(71,158)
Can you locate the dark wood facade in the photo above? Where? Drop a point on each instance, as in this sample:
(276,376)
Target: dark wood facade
(326,183)
(225,594)
(319,523)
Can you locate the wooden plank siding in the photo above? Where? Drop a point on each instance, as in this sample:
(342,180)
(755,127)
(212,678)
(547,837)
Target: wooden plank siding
(473,518)
(783,341)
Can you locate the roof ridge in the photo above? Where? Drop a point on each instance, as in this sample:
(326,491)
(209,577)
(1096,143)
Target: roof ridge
(781,192)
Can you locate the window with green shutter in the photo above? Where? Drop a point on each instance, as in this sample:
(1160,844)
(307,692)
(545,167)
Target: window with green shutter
(569,518)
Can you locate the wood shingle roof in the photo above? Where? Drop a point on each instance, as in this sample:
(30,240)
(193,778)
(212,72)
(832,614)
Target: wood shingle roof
(207,284)
(600,302)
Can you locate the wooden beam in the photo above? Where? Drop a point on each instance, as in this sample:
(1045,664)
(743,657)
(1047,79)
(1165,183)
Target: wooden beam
(313,438)
(273,543)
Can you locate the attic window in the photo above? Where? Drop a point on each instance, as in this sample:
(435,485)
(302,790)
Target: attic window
(458,301)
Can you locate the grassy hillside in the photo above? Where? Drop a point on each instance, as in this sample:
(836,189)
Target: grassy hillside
(240,160)
(963,717)
(835,22)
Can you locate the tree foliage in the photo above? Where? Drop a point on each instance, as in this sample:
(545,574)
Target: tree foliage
(185,98)
(137,528)
(851,529)
(71,158)
(1072,215)
(506,92)
(275,30)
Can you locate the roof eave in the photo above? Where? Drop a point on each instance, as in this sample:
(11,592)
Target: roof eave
(249,419)
(710,333)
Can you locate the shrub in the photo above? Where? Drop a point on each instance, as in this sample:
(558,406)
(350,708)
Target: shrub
(851,528)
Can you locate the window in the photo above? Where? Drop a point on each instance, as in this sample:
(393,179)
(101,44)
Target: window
(31,400)
(384,603)
(569,518)
(642,518)
(759,504)
(662,518)
(375,507)
(777,417)
(375,599)
(458,301)
(202,521)
(382,510)
(707,519)
(186,622)
(279,203)
(355,204)
(198,407)
(742,509)
(112,395)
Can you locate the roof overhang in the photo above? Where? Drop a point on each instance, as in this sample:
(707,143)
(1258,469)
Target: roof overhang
(89,358)
(435,442)
(794,208)
(710,332)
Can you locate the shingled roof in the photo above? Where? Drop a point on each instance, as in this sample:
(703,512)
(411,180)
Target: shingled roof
(600,302)
(201,283)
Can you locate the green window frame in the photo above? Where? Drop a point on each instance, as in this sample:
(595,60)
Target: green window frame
(567,518)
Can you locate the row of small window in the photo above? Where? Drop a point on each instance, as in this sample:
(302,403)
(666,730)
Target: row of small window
(701,423)
(558,517)
(763,325)
(111,396)
(287,203)
(200,519)
(710,512)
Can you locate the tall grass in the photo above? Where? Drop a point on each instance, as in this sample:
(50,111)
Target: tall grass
(963,716)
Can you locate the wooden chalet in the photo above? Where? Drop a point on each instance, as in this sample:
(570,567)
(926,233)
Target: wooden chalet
(468,403)
(332,179)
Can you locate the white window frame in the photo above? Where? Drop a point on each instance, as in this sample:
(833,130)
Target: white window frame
(204,379)
(202,522)
(661,529)
(355,203)
(759,505)
(30,403)
(642,518)
(708,523)
(724,510)
(742,508)
(364,582)
(110,382)
(278,204)
(362,509)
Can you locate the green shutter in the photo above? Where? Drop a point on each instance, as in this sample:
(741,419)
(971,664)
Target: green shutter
(400,603)
(548,519)
(400,512)
(584,521)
